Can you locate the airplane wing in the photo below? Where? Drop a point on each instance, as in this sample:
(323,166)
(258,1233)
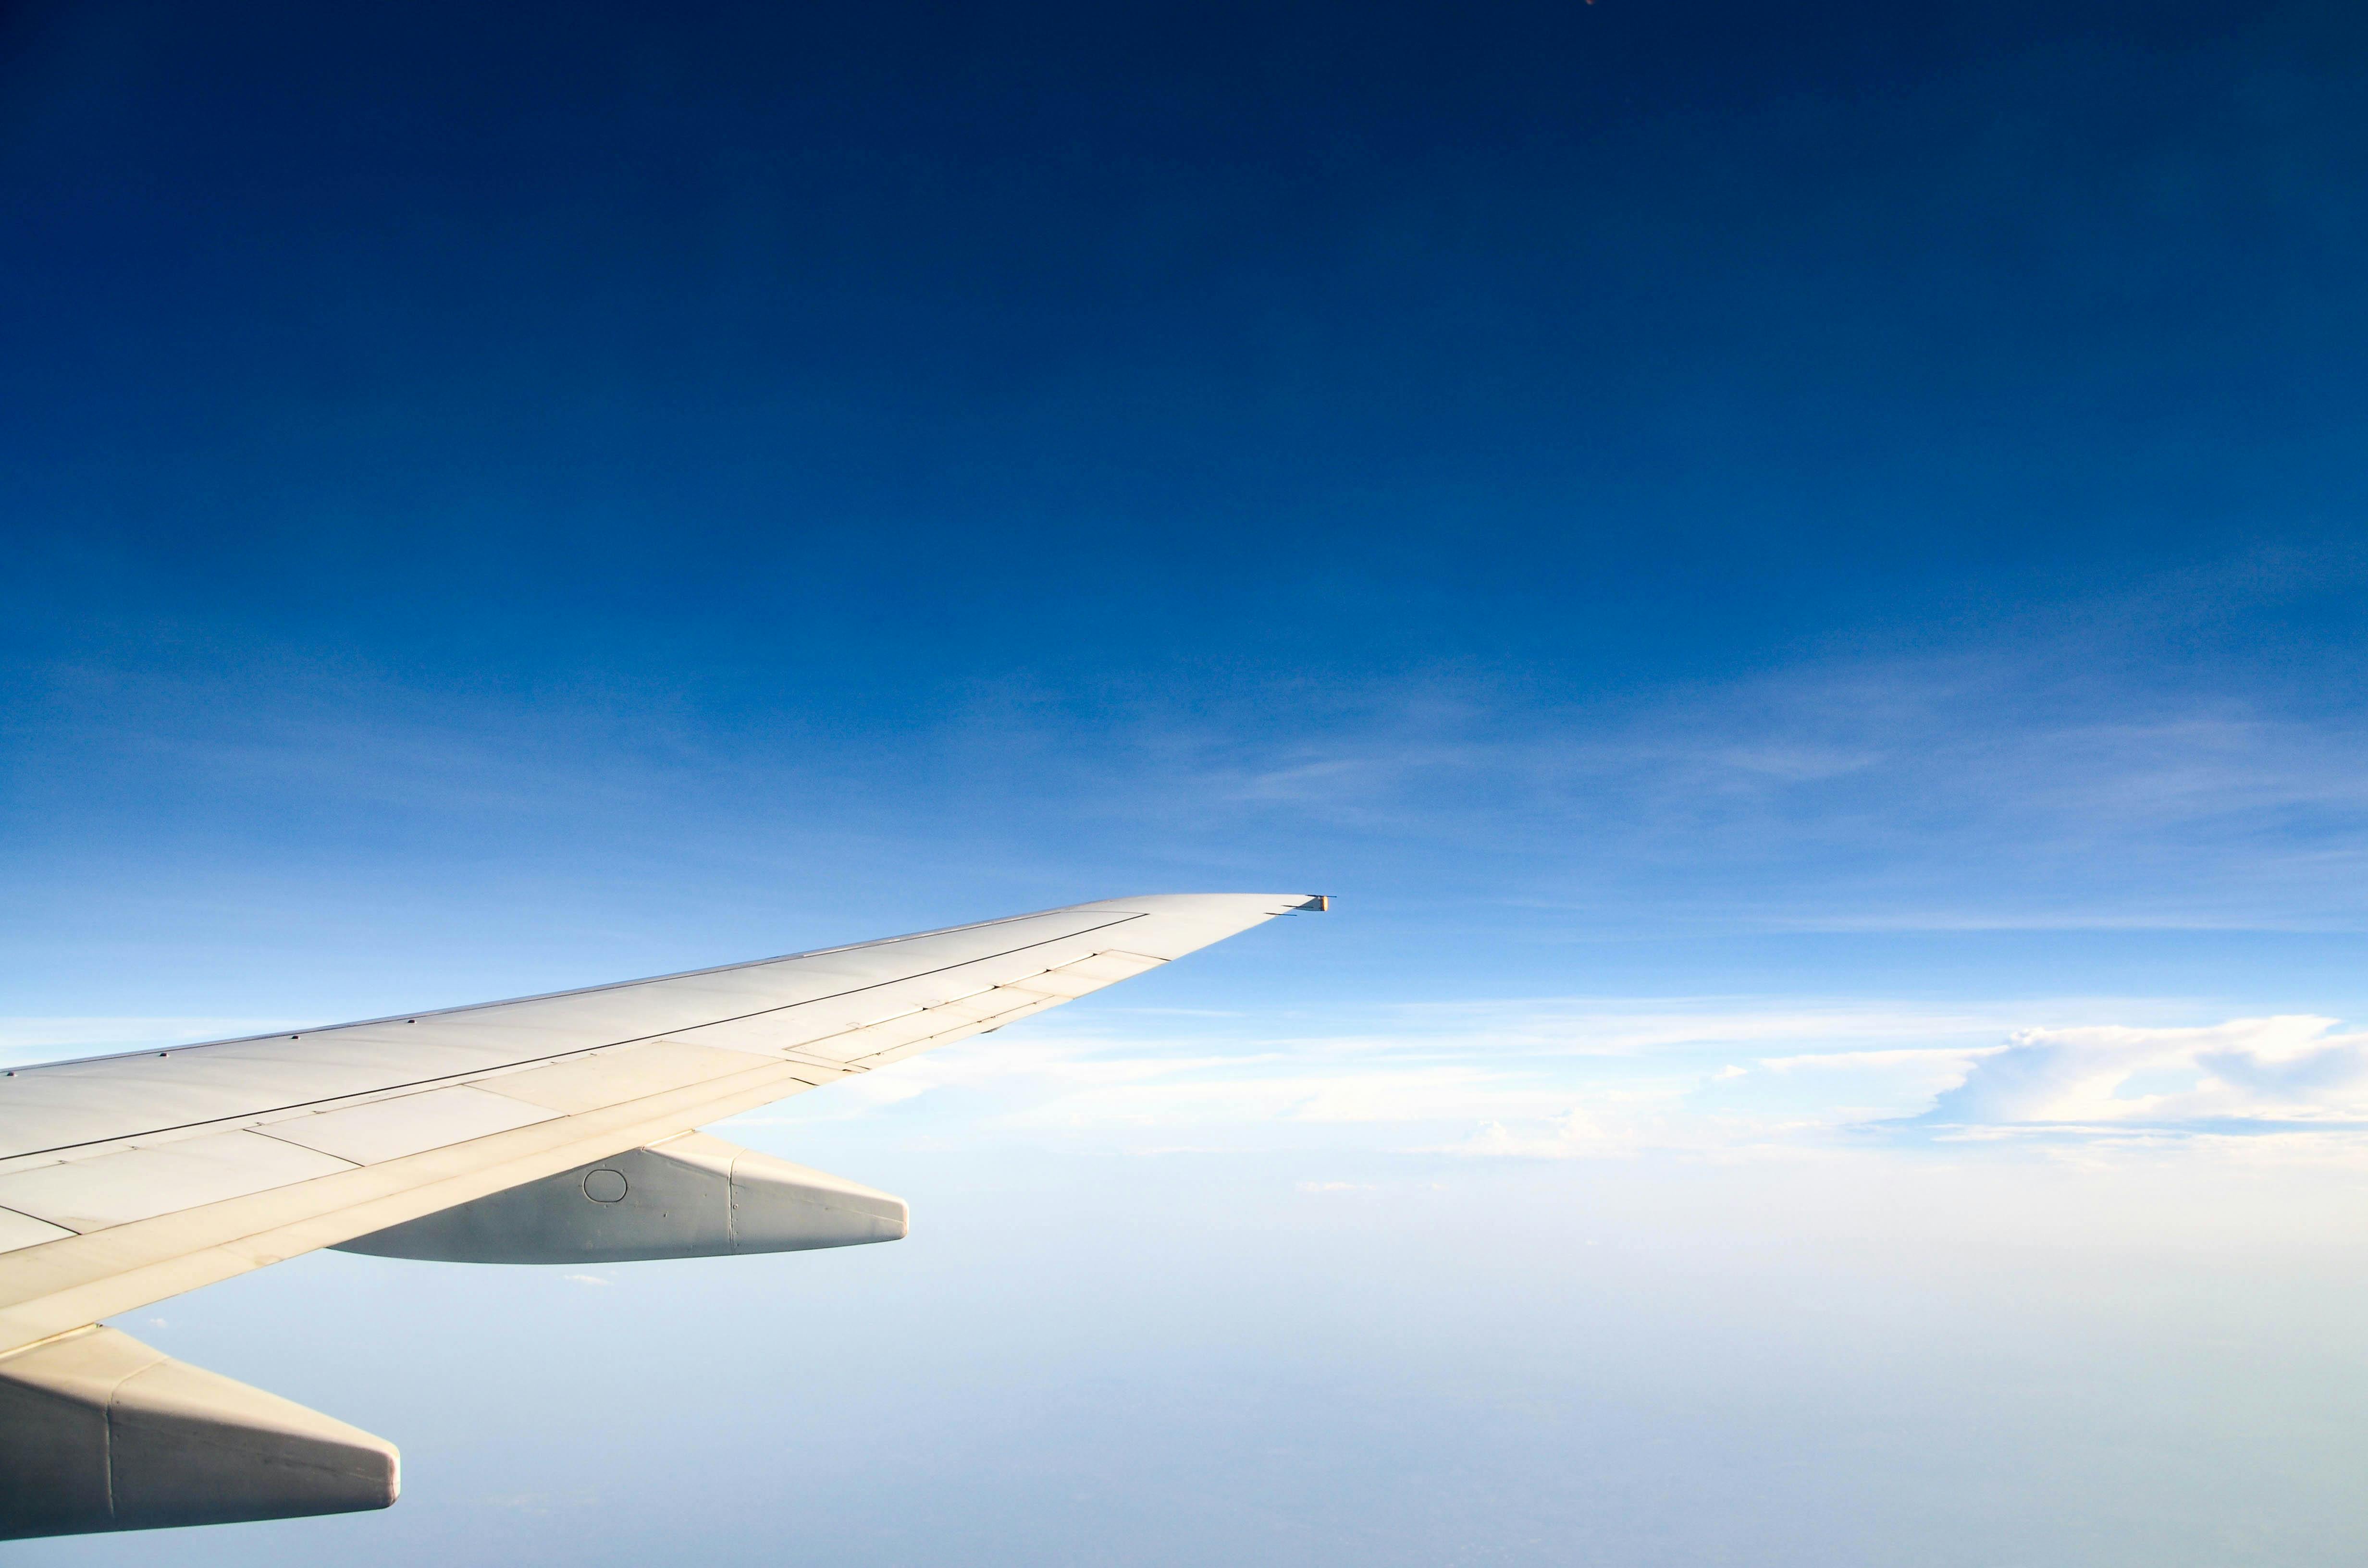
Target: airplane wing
(550,1128)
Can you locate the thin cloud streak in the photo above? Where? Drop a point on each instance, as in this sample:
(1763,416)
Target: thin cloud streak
(1503,1079)
(2050,775)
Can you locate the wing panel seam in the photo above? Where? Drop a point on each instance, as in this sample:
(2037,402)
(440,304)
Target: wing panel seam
(527,1061)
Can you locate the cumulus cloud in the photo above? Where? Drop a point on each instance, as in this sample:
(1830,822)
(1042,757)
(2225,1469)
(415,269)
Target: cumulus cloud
(2274,1071)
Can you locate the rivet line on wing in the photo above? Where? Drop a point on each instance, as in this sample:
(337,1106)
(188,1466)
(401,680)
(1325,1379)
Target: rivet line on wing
(524,1061)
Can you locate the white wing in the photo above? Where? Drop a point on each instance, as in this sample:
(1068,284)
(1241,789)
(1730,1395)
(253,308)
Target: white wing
(124,1179)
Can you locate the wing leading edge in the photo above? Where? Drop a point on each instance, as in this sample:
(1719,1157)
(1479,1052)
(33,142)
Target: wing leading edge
(128,1178)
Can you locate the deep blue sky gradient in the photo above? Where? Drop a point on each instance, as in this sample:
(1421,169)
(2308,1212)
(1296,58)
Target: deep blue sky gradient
(794,355)
(978,431)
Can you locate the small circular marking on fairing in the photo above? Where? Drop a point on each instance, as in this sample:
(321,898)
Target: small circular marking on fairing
(604,1186)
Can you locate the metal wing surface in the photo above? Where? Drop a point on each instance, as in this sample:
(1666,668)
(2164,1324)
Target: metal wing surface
(125,1179)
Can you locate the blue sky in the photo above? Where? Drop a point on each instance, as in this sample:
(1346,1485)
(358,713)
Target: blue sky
(1795,573)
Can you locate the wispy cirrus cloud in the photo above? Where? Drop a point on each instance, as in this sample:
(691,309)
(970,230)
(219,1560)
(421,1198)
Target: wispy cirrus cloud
(2116,765)
(2083,768)
(1943,793)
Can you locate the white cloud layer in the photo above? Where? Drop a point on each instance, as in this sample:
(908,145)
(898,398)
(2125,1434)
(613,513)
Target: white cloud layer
(1564,1079)
(1572,1079)
(2261,1072)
